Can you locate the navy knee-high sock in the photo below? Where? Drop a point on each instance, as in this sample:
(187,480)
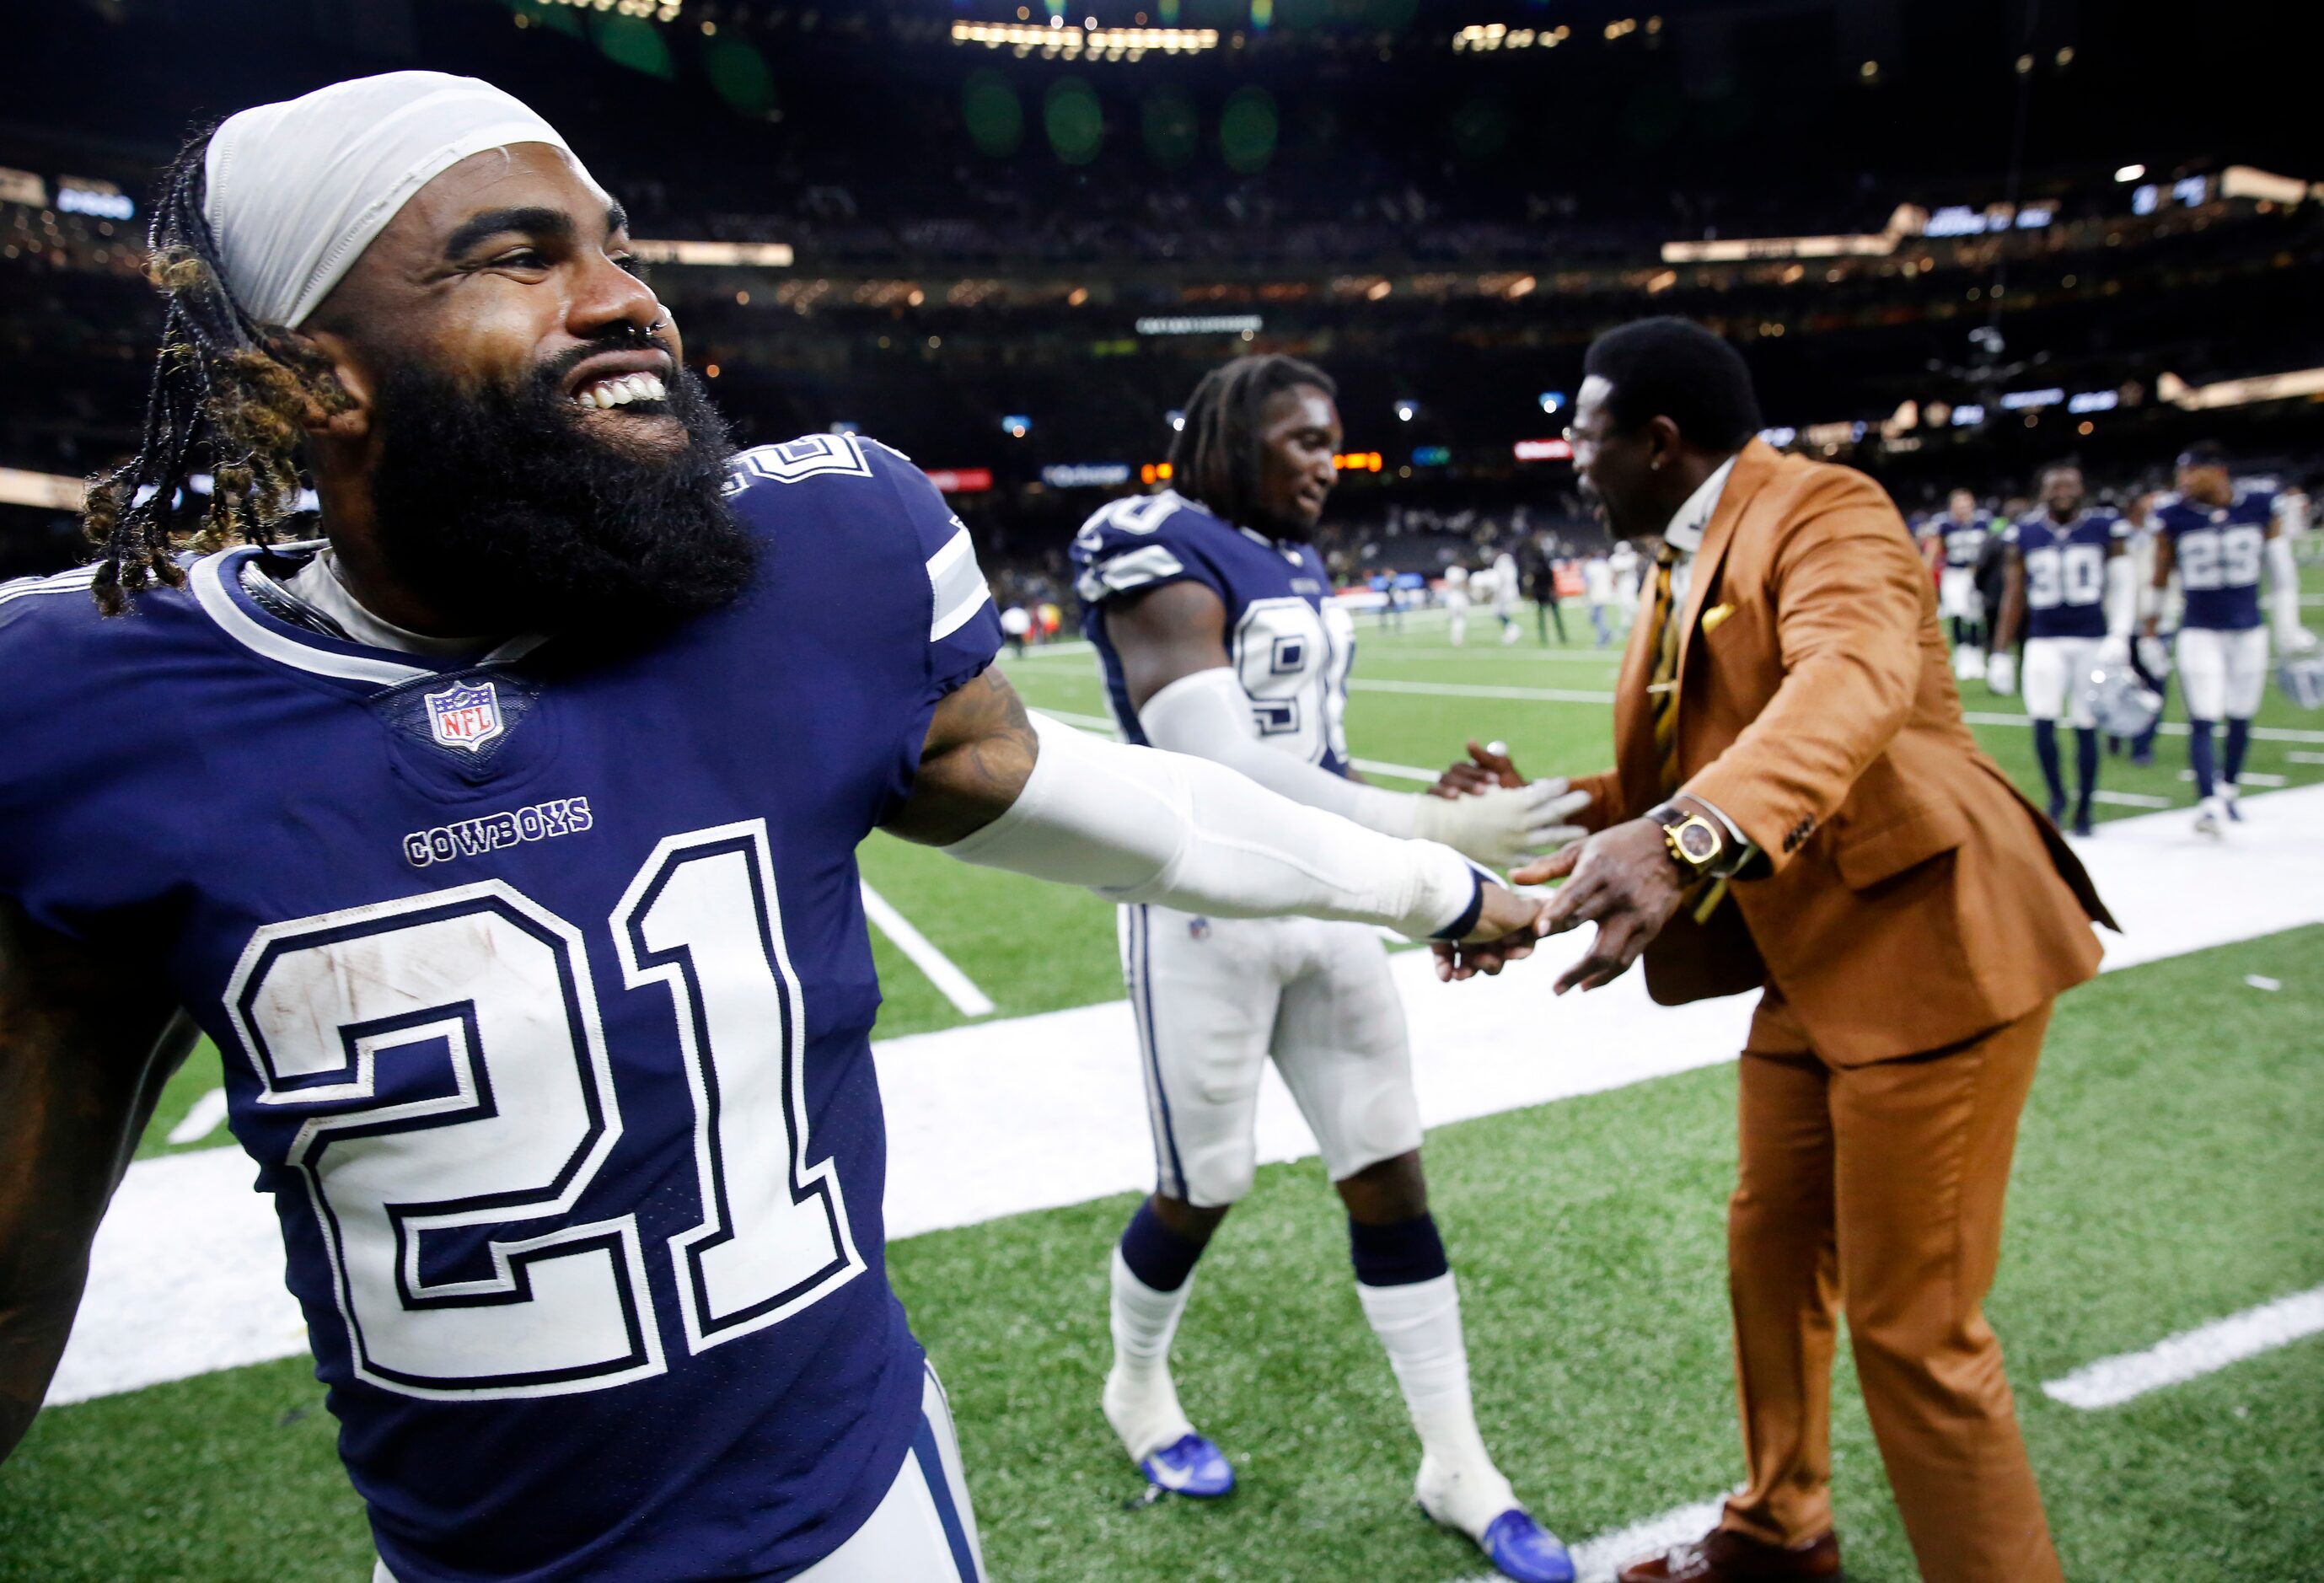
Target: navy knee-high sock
(2045,749)
(2086,768)
(1157,1254)
(2199,755)
(2239,739)
(2143,744)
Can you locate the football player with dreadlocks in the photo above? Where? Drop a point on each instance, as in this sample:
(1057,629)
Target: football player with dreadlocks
(1217,635)
(499,827)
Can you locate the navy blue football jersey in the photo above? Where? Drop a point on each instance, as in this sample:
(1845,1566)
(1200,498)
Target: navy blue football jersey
(2218,551)
(1290,643)
(2065,572)
(545,997)
(1964,541)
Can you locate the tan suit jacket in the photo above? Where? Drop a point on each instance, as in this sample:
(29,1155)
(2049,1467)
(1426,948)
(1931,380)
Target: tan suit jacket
(1909,898)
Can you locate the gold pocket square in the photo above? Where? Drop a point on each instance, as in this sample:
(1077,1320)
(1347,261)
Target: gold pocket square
(1716,615)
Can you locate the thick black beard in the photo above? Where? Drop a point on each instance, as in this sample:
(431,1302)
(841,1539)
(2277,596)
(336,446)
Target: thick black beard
(505,514)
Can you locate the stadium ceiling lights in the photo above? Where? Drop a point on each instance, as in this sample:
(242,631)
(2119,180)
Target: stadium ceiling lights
(2130,173)
(1093,43)
(659,10)
(1486,37)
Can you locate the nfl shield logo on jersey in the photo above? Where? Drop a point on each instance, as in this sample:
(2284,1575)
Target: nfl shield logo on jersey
(465,714)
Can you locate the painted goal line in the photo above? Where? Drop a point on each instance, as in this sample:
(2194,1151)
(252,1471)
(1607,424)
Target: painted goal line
(953,984)
(2192,1354)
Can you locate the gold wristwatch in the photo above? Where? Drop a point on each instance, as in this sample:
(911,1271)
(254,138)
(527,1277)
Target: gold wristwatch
(1696,844)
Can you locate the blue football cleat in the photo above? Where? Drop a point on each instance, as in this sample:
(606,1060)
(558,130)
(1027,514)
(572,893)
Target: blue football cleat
(1193,1466)
(1522,1548)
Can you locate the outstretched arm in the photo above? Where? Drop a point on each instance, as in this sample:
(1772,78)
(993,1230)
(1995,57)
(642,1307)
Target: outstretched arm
(83,1054)
(1174,665)
(1002,790)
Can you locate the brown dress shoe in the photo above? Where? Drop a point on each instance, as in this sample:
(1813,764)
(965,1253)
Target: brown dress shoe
(1721,1556)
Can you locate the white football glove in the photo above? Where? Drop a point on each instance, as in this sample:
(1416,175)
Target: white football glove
(1505,825)
(2114,652)
(2296,640)
(2155,658)
(2001,673)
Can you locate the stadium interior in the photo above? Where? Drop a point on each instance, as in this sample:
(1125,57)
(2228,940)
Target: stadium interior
(1955,240)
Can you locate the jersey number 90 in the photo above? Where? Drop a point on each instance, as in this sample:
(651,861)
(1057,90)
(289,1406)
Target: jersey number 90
(448,1056)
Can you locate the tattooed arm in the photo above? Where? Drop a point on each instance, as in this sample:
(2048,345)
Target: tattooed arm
(85,1046)
(1034,796)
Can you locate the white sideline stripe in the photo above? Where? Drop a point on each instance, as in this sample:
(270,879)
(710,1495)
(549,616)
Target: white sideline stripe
(1596,1560)
(2249,777)
(2192,1354)
(201,1118)
(2170,728)
(953,984)
(1399,771)
(2297,756)
(1484,690)
(1013,1115)
(2131,799)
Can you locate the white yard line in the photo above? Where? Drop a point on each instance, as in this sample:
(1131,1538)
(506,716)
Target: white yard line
(2297,756)
(1484,690)
(2249,777)
(201,1118)
(2192,1354)
(2131,799)
(1595,1560)
(2170,728)
(1004,1116)
(953,984)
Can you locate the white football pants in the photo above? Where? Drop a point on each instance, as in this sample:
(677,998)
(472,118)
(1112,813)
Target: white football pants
(2223,673)
(2056,670)
(1957,595)
(1214,998)
(921,1532)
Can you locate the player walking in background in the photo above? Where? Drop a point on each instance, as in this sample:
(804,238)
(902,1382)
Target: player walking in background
(502,837)
(1956,544)
(1507,589)
(1627,571)
(2221,540)
(1456,604)
(2069,590)
(1598,593)
(1545,607)
(1217,635)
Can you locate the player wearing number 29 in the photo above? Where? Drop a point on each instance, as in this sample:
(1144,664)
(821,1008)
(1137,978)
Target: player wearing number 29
(502,835)
(2068,589)
(1217,634)
(2219,538)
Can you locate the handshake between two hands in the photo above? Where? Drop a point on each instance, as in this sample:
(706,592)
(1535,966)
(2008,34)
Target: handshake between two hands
(1621,878)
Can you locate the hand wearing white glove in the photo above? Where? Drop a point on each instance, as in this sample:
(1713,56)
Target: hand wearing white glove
(1502,827)
(2154,657)
(2001,673)
(2296,640)
(2114,652)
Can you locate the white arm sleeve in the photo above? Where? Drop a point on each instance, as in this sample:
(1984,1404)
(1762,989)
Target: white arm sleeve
(2122,595)
(1208,715)
(2283,590)
(1137,824)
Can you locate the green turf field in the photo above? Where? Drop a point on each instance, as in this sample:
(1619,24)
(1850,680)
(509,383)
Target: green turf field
(2170,1173)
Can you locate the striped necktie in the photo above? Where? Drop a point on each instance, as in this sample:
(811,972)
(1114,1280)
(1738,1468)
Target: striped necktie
(1664,689)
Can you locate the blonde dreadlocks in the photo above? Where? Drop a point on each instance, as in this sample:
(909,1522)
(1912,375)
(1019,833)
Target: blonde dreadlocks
(224,385)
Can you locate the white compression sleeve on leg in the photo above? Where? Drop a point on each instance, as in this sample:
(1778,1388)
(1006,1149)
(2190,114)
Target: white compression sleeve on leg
(1208,715)
(1138,824)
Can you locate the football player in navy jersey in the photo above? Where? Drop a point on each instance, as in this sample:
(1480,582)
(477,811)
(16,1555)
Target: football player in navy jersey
(1956,543)
(2221,540)
(1217,634)
(502,833)
(2069,591)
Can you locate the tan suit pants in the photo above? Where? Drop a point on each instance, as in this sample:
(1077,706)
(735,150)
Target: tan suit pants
(1880,1188)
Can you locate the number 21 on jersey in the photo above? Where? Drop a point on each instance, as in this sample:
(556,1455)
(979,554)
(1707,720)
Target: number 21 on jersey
(448,1054)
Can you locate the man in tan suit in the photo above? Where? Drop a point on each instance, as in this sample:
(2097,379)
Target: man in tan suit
(1798,807)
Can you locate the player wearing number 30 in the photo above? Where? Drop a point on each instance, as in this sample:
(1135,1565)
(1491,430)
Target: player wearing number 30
(502,835)
(2070,590)
(2219,538)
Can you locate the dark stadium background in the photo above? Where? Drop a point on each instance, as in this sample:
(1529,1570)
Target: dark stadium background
(976,230)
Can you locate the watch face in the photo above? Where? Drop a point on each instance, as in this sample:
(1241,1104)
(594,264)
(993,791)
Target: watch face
(1698,842)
